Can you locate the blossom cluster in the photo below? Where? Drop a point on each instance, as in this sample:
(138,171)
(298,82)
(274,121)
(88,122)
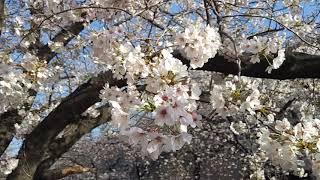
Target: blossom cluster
(122,102)
(294,21)
(235,96)
(13,90)
(121,58)
(198,44)
(167,99)
(293,147)
(38,71)
(153,143)
(263,47)
(169,113)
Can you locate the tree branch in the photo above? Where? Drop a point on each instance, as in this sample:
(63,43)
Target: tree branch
(69,111)
(7,130)
(61,145)
(296,65)
(65,36)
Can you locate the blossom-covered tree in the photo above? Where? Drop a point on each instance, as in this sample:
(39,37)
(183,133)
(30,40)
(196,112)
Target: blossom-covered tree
(83,63)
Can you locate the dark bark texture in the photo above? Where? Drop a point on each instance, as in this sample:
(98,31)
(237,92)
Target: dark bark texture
(43,52)
(37,144)
(296,65)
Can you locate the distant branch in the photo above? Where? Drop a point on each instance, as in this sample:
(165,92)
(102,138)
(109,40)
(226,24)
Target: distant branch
(263,33)
(276,21)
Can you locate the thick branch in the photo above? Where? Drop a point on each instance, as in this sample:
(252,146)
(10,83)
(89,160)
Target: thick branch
(61,145)
(296,65)
(69,111)
(7,130)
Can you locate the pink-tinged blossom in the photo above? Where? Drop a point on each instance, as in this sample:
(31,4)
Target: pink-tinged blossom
(165,115)
(136,136)
(155,146)
(174,143)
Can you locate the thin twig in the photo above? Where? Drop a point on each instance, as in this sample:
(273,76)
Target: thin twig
(276,21)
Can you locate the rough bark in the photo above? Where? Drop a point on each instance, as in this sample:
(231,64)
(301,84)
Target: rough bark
(61,145)
(69,111)
(296,65)
(9,118)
